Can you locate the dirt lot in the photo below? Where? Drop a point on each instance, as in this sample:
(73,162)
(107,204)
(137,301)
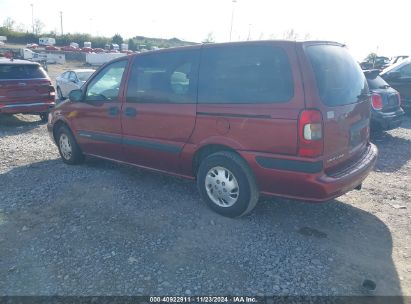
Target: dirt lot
(108,229)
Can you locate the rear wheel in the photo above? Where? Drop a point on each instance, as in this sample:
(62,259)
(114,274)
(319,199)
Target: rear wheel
(227,184)
(69,150)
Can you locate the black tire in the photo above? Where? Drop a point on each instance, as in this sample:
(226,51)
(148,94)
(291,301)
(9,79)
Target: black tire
(44,117)
(248,191)
(76,156)
(59,94)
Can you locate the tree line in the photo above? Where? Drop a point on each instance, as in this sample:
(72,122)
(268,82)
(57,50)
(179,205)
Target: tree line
(19,34)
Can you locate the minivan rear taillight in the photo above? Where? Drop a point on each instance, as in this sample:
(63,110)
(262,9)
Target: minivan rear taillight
(376,101)
(310,133)
(47,89)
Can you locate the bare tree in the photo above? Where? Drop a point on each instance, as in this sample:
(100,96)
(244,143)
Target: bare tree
(307,36)
(21,28)
(9,23)
(209,38)
(290,34)
(38,26)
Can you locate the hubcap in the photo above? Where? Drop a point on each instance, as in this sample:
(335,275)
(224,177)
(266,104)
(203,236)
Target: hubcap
(65,146)
(222,187)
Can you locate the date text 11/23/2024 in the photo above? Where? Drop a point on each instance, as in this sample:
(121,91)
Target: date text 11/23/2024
(204,299)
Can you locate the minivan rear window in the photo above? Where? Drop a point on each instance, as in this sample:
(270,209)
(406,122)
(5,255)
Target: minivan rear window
(245,74)
(340,80)
(21,71)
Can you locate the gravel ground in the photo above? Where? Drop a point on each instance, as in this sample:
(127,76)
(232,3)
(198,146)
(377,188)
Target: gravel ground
(108,229)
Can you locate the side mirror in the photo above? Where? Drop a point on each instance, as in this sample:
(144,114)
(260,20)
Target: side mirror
(76,95)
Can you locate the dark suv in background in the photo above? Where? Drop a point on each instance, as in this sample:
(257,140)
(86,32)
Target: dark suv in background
(399,77)
(25,88)
(386,103)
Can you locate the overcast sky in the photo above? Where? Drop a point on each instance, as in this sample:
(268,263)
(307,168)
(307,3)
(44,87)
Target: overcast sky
(364,25)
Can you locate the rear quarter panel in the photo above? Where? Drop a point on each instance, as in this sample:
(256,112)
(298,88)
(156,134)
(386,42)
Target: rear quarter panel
(337,120)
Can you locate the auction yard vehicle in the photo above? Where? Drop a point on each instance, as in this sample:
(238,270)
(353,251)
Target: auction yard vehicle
(99,58)
(399,77)
(47,41)
(69,48)
(33,56)
(25,88)
(276,118)
(51,48)
(386,111)
(71,80)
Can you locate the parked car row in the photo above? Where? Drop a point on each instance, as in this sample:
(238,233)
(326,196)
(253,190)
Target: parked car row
(70,48)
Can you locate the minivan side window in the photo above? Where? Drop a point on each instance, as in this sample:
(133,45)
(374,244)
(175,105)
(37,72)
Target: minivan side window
(339,78)
(164,77)
(245,74)
(106,85)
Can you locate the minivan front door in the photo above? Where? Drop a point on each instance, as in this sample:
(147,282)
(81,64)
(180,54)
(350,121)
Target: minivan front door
(160,108)
(96,119)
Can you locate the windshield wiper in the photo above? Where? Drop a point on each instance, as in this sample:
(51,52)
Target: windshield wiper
(385,86)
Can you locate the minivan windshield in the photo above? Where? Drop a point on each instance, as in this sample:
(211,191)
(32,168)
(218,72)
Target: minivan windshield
(340,80)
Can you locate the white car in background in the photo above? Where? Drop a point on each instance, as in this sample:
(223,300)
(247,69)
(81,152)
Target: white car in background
(71,80)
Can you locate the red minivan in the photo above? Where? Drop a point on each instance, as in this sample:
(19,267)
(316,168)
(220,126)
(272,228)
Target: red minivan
(276,118)
(25,88)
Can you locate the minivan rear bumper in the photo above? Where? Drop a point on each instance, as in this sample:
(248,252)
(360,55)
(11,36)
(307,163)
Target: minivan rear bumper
(307,180)
(27,107)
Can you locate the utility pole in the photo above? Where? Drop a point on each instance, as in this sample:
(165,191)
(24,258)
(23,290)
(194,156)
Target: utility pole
(61,22)
(232,17)
(32,16)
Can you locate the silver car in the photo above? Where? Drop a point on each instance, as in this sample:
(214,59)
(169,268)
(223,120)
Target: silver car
(71,80)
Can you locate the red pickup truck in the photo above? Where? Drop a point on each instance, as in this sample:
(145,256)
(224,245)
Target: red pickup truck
(25,88)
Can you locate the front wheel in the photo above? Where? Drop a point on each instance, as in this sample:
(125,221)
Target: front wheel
(227,184)
(69,150)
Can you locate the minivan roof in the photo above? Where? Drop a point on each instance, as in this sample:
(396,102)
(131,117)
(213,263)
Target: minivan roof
(207,45)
